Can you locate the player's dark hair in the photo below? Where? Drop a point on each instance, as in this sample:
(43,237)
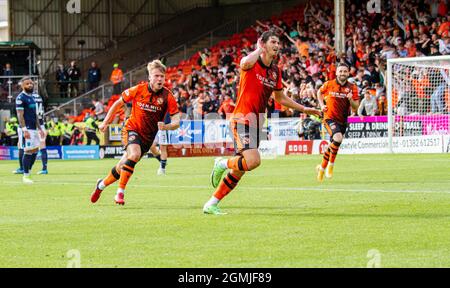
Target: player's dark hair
(267,34)
(342,64)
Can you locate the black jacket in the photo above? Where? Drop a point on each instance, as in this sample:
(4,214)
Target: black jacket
(74,73)
(94,75)
(62,76)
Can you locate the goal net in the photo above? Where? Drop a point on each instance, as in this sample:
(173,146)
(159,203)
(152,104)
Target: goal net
(418,92)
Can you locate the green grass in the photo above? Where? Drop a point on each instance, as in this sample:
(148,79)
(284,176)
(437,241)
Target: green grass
(279,216)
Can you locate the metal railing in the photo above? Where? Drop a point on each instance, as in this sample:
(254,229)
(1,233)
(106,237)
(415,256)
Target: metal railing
(104,92)
(10,87)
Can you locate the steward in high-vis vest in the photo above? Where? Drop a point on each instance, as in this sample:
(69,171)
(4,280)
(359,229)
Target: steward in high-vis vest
(68,128)
(11,132)
(55,131)
(116,79)
(91,130)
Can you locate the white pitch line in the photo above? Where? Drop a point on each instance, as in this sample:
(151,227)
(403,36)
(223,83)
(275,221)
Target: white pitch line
(271,188)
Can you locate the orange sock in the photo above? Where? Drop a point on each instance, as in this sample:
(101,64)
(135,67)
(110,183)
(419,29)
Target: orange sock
(226,186)
(237,163)
(126,173)
(112,177)
(326,158)
(334,148)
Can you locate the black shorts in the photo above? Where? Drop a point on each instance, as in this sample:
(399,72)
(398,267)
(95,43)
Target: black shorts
(132,137)
(246,137)
(333,127)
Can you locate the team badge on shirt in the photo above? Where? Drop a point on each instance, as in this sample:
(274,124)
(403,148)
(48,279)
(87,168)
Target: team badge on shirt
(274,75)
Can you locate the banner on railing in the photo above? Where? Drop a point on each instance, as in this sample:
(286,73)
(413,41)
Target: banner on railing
(5,153)
(413,125)
(200,150)
(190,132)
(115,132)
(272,149)
(447,144)
(217,131)
(283,129)
(110,152)
(80,152)
(53,153)
(412,144)
(299,147)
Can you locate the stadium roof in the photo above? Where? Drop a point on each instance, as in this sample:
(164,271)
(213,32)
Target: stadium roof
(26,45)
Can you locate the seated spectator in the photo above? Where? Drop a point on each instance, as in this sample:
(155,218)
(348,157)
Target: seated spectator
(368,106)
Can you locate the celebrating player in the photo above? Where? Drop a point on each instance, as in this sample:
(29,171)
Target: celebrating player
(260,76)
(339,96)
(29,125)
(150,101)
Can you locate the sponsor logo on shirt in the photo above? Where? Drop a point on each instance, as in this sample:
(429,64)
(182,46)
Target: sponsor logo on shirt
(149,107)
(340,94)
(266,82)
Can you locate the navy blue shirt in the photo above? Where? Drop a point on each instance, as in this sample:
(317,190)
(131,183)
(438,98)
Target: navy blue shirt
(39,108)
(26,103)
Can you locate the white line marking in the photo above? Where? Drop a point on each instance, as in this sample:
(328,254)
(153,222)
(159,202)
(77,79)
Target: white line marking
(306,188)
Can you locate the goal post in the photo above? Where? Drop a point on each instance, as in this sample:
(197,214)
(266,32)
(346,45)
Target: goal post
(418,94)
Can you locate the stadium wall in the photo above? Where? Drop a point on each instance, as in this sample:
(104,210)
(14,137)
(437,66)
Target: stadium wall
(213,138)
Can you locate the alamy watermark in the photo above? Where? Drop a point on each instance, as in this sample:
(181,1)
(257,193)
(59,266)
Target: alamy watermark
(73,6)
(374,258)
(374,6)
(74,257)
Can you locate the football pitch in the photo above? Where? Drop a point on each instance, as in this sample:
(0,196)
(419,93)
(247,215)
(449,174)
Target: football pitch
(379,210)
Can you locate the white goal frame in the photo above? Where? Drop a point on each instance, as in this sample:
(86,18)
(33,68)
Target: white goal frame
(389,87)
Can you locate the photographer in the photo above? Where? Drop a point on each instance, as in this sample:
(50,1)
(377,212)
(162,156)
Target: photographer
(309,128)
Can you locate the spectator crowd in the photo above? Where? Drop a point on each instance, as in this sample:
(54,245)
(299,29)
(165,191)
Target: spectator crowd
(207,83)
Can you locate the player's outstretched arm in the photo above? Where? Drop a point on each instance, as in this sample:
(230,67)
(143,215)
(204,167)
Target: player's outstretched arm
(284,100)
(111,113)
(250,60)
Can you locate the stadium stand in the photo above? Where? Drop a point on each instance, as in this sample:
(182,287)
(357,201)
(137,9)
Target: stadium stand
(308,57)
(204,81)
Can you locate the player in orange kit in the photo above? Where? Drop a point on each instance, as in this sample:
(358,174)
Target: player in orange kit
(339,95)
(260,77)
(151,101)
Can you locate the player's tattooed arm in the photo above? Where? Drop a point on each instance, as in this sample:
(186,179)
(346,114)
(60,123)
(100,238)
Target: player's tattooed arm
(250,60)
(22,124)
(111,113)
(21,118)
